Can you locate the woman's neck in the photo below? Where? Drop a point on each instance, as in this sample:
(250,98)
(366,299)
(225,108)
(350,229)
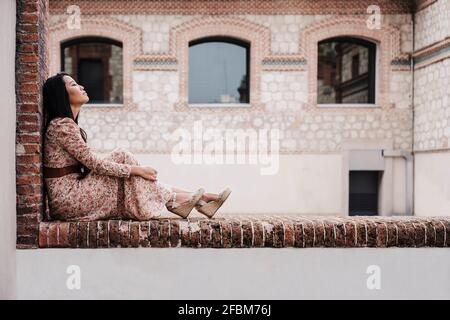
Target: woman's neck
(75,110)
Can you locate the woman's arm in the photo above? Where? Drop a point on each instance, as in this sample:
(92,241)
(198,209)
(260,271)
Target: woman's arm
(67,134)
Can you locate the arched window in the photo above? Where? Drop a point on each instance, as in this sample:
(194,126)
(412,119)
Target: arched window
(346,71)
(97,64)
(219,71)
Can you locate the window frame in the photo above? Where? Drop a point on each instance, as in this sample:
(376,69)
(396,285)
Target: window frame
(372,70)
(94,39)
(225,39)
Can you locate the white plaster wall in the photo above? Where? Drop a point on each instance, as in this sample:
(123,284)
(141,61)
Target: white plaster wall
(7,145)
(432,187)
(309,184)
(183,273)
(304,184)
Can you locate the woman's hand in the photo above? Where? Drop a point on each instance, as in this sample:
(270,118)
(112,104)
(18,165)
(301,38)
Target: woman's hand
(147,173)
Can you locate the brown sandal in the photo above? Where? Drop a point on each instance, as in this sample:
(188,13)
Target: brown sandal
(184,209)
(211,207)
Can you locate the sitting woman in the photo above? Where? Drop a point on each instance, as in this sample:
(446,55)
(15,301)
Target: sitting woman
(81,186)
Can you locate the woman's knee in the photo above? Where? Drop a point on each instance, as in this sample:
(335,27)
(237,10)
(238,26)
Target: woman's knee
(120,155)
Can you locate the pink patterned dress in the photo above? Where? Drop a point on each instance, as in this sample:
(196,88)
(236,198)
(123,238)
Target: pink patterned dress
(108,191)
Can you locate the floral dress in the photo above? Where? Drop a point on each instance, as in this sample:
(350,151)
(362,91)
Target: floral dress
(108,191)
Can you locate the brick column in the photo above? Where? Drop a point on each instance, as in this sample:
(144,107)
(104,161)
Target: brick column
(31,72)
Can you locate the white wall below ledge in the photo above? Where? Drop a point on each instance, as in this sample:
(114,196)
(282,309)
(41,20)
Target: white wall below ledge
(319,273)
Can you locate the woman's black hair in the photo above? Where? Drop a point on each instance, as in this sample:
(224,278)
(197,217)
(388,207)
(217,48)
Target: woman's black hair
(56,105)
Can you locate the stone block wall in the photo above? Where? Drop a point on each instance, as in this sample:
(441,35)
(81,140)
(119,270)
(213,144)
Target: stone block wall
(281,84)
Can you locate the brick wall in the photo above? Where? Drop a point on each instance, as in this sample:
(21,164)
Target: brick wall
(31,72)
(250,231)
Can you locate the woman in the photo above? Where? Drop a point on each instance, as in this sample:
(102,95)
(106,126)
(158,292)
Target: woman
(82,186)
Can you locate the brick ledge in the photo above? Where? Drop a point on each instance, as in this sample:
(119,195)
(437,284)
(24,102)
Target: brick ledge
(250,231)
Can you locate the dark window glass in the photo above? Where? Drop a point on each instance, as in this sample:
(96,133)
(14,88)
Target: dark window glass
(363,199)
(346,71)
(96,64)
(218,71)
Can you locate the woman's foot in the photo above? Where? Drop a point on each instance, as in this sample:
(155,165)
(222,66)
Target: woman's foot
(207,197)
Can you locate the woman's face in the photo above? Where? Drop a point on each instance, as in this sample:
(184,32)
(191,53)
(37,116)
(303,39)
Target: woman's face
(77,95)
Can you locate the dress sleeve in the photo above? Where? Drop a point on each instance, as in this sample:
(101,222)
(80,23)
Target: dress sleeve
(67,134)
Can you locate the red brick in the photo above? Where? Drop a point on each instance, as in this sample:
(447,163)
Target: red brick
(308,233)
(20,180)
(53,240)
(73,234)
(92,234)
(247,234)
(103,234)
(29,58)
(28,128)
(340,234)
(30,209)
(26,17)
(28,87)
(28,219)
(278,234)
(134,234)
(216,236)
(27,48)
(27,229)
(194,232)
(82,235)
(144,234)
(164,233)
(258,240)
(30,118)
(27,242)
(124,232)
(350,233)
(205,234)
(184,232)
(319,234)
(28,159)
(225,225)
(114,233)
(154,233)
(29,138)
(28,189)
(26,67)
(43,229)
(28,108)
(29,199)
(64,234)
(174,233)
(30,7)
(289,234)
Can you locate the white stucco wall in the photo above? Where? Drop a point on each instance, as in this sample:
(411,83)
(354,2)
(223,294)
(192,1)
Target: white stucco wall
(432,188)
(291,273)
(7,145)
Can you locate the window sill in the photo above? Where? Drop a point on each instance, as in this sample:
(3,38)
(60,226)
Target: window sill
(104,105)
(219,105)
(348,105)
